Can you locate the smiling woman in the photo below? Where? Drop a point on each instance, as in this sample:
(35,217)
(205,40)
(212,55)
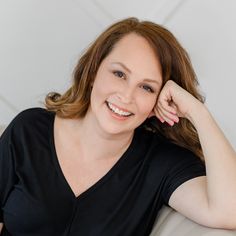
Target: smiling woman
(124,90)
(130,135)
(169,61)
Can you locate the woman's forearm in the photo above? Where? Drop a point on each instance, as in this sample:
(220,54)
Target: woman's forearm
(220,160)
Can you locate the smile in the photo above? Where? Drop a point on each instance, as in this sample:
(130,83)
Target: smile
(118,111)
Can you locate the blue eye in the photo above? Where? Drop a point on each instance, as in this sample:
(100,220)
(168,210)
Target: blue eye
(148,88)
(119,74)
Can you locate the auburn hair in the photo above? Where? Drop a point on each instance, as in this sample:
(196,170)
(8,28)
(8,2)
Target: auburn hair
(175,65)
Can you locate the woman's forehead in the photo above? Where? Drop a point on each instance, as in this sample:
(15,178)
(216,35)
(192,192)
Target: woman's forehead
(134,52)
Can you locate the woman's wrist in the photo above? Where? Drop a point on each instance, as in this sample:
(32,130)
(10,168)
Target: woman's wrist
(197,113)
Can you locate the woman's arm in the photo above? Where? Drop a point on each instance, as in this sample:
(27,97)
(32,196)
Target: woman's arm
(210,200)
(220,161)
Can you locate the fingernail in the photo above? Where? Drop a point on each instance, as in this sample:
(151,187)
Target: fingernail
(162,121)
(176,120)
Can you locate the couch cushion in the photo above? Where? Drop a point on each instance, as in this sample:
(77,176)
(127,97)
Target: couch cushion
(170,222)
(1,129)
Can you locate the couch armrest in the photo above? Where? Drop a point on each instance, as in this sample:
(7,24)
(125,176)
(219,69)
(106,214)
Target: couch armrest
(169,222)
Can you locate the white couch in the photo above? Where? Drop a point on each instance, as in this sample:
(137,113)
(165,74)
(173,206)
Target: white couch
(171,223)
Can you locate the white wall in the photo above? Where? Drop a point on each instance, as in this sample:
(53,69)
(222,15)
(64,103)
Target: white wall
(40,42)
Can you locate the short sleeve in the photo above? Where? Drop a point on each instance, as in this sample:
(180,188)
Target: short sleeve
(183,165)
(6,168)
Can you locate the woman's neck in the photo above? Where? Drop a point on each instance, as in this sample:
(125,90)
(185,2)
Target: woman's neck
(95,143)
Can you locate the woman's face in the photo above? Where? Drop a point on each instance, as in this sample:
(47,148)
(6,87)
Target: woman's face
(126,86)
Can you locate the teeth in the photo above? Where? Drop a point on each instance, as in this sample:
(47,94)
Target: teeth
(118,111)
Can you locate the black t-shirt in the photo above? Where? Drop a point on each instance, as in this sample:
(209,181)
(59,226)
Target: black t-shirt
(36,199)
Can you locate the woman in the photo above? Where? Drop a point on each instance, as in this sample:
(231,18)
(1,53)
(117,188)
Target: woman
(130,135)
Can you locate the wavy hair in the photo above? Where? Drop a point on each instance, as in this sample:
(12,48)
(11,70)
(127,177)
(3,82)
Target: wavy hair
(175,65)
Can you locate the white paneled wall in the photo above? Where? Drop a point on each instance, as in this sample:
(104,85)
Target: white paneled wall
(41,40)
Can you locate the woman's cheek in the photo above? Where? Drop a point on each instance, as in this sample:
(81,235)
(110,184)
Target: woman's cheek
(146,106)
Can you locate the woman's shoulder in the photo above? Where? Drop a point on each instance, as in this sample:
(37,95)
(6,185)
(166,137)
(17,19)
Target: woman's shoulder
(28,119)
(31,113)
(156,139)
(166,149)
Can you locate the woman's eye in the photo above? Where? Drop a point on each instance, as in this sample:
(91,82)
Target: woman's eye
(148,88)
(119,74)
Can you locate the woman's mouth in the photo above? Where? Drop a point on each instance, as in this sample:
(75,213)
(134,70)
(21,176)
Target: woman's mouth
(118,111)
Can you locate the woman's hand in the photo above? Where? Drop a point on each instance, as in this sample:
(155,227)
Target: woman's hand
(174,102)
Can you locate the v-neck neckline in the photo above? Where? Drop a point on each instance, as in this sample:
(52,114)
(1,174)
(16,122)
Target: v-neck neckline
(100,181)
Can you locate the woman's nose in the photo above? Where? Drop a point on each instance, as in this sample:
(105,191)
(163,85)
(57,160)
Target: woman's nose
(126,95)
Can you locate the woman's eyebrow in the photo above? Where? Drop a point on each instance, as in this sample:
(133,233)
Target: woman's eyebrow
(127,69)
(121,64)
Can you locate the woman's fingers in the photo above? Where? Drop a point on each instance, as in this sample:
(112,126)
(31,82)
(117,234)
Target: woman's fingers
(167,116)
(157,114)
(167,106)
